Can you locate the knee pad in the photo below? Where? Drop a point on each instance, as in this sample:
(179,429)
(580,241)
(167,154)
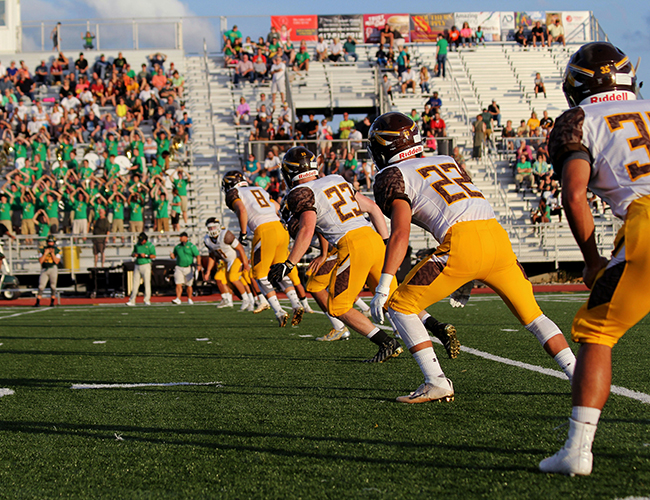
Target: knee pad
(265,285)
(543,328)
(286,283)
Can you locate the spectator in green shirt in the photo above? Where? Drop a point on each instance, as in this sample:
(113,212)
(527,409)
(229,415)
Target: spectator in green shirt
(441,55)
(184,253)
(136,213)
(85,172)
(28,206)
(42,224)
(117,202)
(161,208)
(301,63)
(175,210)
(73,164)
(5,211)
(50,203)
(263,180)
(180,183)
(143,252)
(111,144)
(80,207)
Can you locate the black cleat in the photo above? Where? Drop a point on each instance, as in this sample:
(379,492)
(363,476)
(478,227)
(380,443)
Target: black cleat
(389,349)
(446,334)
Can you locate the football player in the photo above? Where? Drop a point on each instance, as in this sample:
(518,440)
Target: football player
(603,144)
(256,211)
(436,194)
(330,206)
(222,244)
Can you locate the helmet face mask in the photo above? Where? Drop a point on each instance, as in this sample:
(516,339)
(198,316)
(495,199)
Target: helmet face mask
(213,227)
(233,179)
(599,72)
(393,137)
(298,163)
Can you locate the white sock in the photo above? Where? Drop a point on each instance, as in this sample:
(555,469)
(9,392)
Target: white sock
(261,299)
(585,415)
(251,298)
(305,303)
(227,297)
(372,333)
(413,333)
(425,317)
(362,305)
(293,298)
(430,367)
(337,324)
(275,305)
(567,361)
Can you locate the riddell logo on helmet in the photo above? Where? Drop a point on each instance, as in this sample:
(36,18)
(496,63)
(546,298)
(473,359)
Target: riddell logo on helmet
(410,152)
(610,96)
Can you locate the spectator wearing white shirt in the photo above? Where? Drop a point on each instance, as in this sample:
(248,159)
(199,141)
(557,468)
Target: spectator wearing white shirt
(70,102)
(272,164)
(555,33)
(408,79)
(285,112)
(336,50)
(321,49)
(278,81)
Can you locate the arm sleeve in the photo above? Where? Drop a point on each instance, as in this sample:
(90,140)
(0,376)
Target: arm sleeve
(231,197)
(566,137)
(389,186)
(301,200)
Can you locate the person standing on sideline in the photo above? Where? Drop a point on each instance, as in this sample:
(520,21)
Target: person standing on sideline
(597,145)
(49,258)
(433,193)
(143,252)
(184,253)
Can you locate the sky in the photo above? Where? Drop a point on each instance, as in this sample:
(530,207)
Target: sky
(626,23)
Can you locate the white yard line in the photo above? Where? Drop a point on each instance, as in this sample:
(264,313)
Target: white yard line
(26,312)
(135,386)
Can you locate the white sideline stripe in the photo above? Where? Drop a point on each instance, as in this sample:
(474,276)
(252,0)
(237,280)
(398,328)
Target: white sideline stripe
(620,391)
(23,313)
(5,392)
(134,386)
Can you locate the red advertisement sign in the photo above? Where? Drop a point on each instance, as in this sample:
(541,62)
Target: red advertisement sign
(296,28)
(425,27)
(374,23)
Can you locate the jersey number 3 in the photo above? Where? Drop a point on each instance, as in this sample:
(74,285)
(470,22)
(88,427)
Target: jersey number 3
(615,122)
(339,192)
(463,181)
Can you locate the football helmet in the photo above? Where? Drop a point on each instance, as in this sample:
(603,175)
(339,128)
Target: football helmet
(393,137)
(599,72)
(50,239)
(213,227)
(142,238)
(299,163)
(232,179)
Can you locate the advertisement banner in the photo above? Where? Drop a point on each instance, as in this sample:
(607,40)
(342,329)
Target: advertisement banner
(425,27)
(374,23)
(577,26)
(341,27)
(296,28)
(489,22)
(507,26)
(527,19)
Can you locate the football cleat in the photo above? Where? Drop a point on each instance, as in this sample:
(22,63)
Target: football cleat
(224,303)
(575,457)
(176,301)
(262,307)
(251,307)
(446,334)
(130,304)
(346,333)
(298,313)
(244,305)
(428,392)
(389,349)
(333,335)
(147,303)
(190,302)
(283,318)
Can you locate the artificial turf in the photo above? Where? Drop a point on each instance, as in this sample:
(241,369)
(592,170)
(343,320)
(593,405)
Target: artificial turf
(295,418)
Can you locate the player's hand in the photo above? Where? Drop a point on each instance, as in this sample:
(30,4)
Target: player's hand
(279,271)
(377,305)
(589,273)
(316,263)
(244,239)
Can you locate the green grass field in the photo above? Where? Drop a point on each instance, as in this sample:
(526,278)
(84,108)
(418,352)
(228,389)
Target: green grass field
(295,418)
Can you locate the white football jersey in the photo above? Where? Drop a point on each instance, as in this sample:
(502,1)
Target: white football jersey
(259,206)
(220,248)
(616,137)
(332,198)
(439,191)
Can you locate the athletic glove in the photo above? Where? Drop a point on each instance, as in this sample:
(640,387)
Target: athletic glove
(380,298)
(279,271)
(244,239)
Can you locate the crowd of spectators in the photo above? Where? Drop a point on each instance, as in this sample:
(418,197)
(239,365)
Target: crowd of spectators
(542,35)
(73,145)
